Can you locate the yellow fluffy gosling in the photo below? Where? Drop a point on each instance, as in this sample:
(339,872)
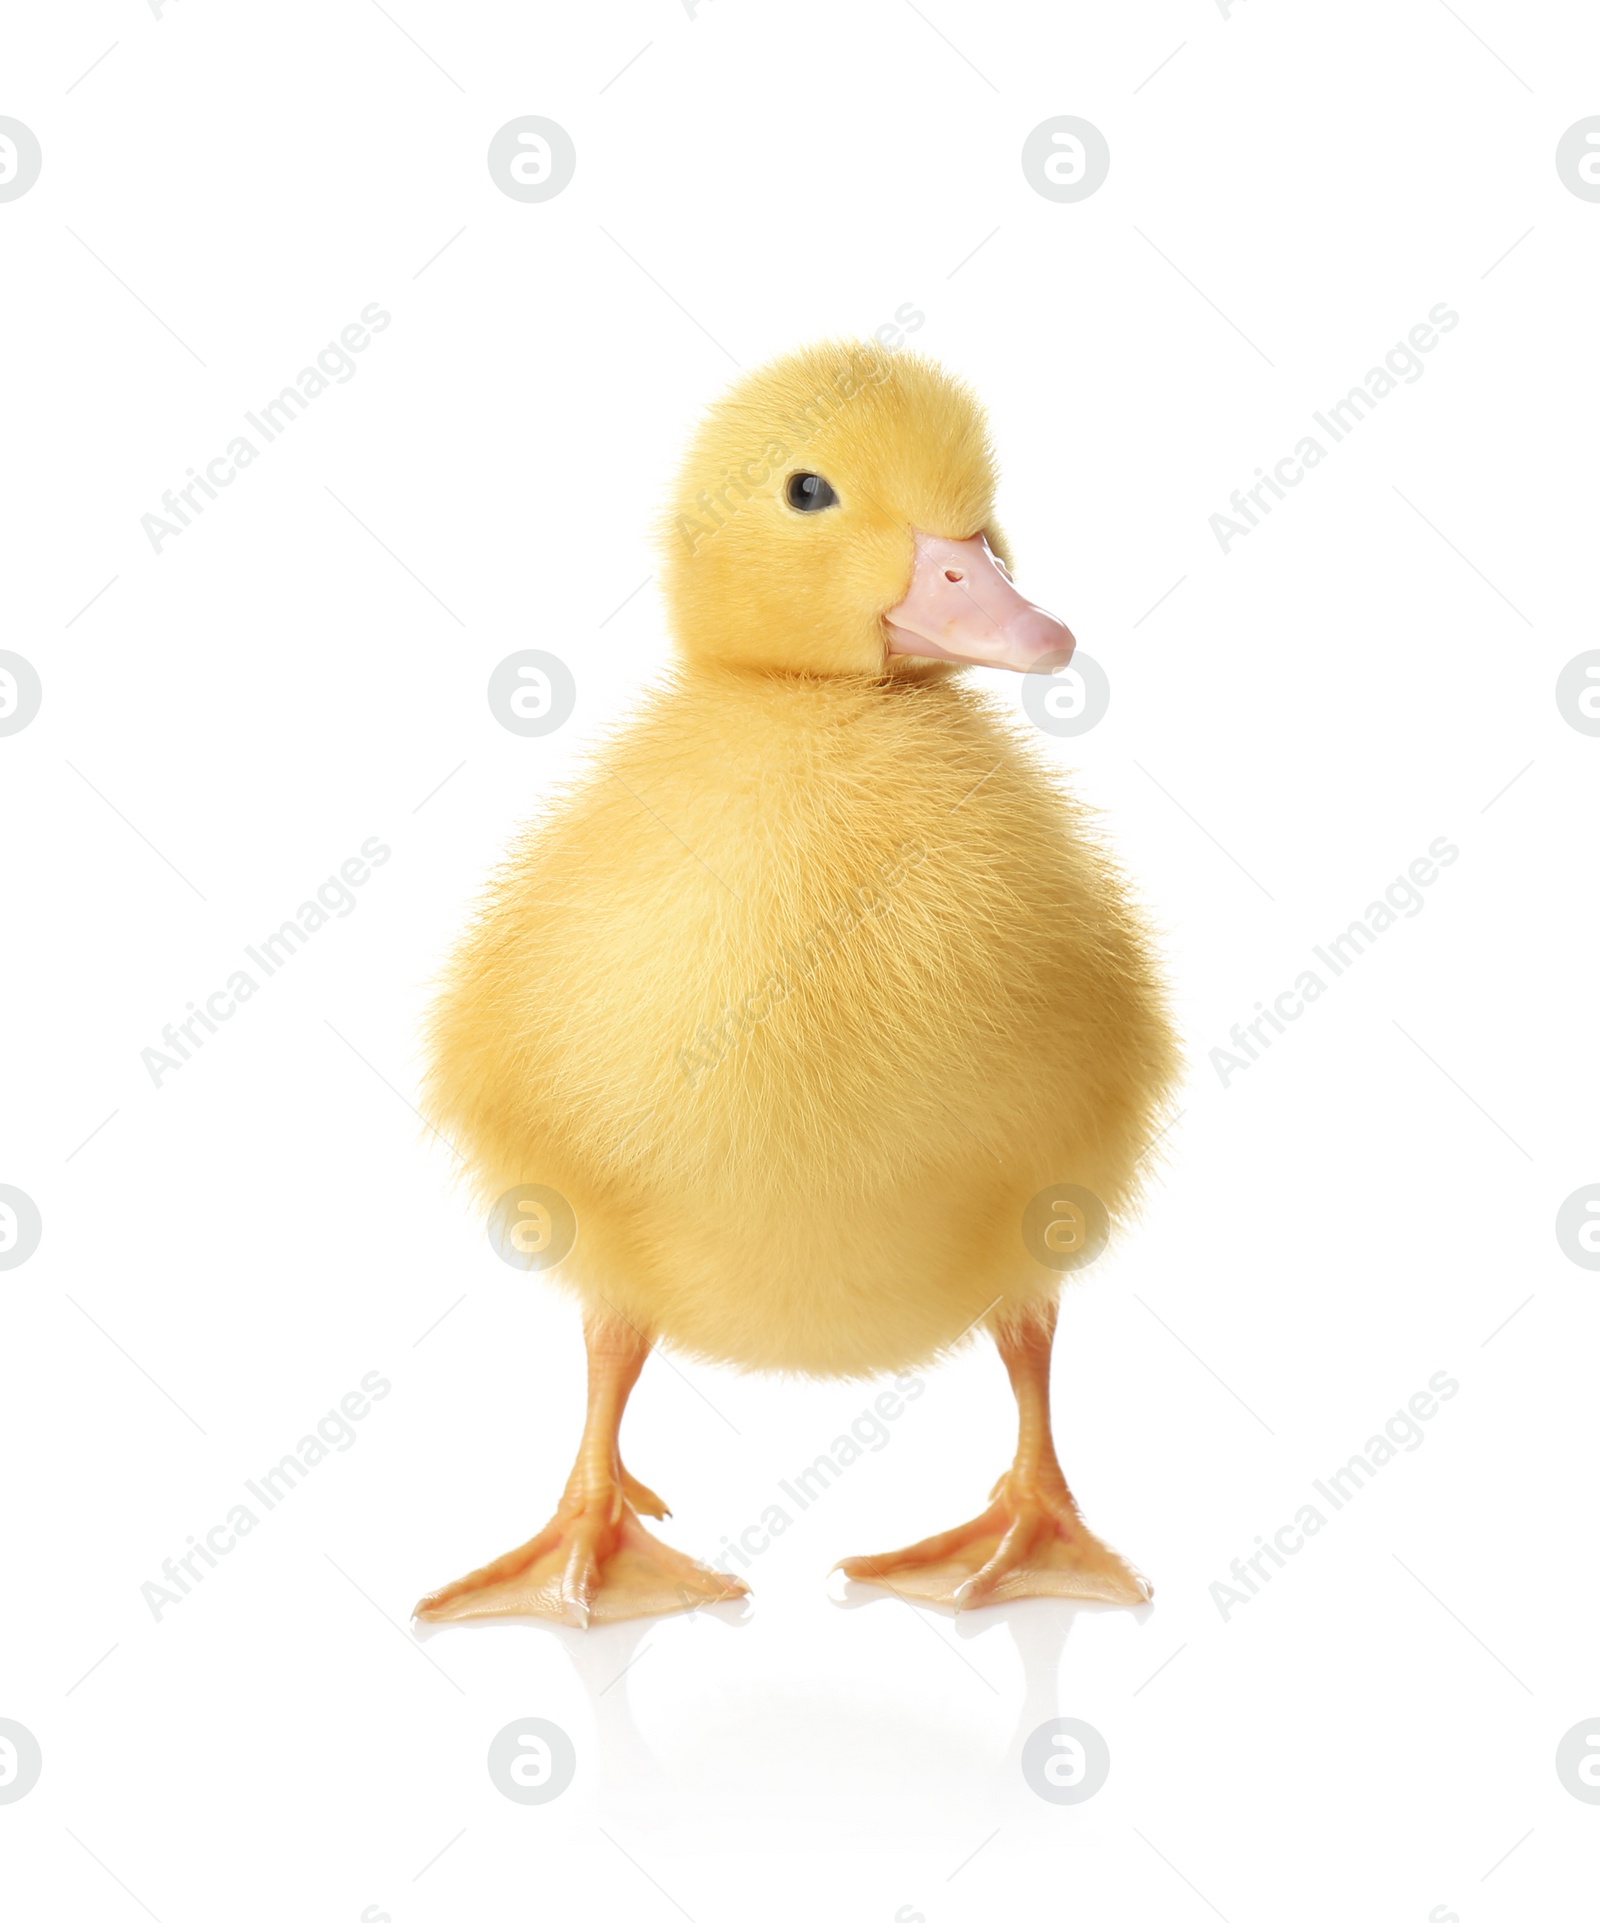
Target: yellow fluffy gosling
(813,982)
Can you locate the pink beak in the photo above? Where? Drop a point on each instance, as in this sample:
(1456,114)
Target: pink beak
(961,606)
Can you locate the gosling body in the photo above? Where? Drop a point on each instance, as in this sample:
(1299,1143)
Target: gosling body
(798,1001)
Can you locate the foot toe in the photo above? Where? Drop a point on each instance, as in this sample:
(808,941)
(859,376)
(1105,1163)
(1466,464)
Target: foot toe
(642,1499)
(1027,1543)
(593,1567)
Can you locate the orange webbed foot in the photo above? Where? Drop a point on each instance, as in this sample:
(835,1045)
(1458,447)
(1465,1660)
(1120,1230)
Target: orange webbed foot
(594,1562)
(1030,1541)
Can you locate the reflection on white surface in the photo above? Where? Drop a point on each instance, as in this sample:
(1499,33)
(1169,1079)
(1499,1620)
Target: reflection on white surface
(857,1717)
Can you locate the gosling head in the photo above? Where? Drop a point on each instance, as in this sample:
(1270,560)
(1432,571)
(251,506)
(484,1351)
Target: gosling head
(835,515)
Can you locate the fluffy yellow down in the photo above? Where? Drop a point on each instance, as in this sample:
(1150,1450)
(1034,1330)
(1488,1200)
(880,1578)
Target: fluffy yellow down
(818,976)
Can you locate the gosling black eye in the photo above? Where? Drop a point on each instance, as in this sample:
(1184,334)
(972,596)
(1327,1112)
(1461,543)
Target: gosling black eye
(809,493)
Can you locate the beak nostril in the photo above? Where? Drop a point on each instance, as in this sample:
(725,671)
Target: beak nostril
(954,574)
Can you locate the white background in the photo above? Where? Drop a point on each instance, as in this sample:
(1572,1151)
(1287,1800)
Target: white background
(1294,723)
